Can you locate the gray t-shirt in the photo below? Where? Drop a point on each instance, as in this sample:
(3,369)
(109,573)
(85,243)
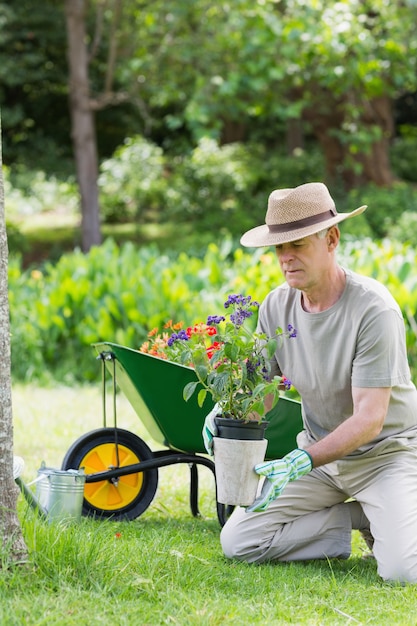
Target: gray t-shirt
(358,342)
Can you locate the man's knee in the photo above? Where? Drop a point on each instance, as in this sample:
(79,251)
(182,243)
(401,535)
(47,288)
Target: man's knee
(397,571)
(234,545)
(229,543)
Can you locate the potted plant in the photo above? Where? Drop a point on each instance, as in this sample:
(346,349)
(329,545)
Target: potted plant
(232,364)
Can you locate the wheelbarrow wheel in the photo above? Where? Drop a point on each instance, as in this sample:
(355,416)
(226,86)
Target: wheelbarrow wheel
(126,497)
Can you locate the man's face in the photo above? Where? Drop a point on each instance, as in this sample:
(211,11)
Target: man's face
(305,262)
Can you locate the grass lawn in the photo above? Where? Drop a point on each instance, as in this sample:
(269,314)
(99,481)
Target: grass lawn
(165,567)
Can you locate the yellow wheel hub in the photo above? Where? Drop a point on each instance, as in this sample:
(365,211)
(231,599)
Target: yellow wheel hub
(105,495)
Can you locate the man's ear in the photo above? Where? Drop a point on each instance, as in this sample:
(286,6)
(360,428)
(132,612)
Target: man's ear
(333,237)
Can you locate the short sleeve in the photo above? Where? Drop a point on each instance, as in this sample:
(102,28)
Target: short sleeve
(380,359)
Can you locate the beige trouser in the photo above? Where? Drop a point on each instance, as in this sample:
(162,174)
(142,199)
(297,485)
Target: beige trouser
(309,520)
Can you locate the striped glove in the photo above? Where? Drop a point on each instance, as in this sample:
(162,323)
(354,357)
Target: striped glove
(278,474)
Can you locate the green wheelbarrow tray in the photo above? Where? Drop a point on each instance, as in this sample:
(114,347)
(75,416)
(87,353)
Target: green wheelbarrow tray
(121,471)
(154,388)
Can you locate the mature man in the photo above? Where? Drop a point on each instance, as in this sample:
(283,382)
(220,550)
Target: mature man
(356,462)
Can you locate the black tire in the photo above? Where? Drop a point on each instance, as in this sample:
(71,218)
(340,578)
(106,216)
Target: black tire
(130,495)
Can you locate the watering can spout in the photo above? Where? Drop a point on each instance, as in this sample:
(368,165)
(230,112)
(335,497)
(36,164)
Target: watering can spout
(18,465)
(31,498)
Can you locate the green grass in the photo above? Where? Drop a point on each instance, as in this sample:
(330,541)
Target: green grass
(164,567)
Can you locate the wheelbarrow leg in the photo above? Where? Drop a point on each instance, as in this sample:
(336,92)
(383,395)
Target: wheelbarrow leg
(223,510)
(194,490)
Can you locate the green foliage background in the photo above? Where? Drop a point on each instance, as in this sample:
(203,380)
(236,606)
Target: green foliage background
(119,293)
(224,189)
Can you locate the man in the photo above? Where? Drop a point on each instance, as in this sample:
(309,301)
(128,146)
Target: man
(356,462)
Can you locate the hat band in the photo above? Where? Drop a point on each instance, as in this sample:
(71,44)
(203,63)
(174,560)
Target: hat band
(307,221)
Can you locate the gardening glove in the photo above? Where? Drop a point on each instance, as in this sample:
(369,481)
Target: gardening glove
(210,428)
(278,474)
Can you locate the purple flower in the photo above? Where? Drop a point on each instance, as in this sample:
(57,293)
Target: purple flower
(180,336)
(232,299)
(251,366)
(243,301)
(215,319)
(265,373)
(292,331)
(242,305)
(238,318)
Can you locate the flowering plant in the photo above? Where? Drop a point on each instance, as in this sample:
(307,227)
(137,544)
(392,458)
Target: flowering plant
(231,362)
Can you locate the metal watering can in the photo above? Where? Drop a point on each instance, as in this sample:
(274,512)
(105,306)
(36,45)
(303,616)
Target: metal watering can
(59,493)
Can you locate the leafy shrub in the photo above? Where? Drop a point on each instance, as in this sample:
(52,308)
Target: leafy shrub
(284,170)
(403,155)
(405,229)
(214,189)
(133,181)
(16,240)
(31,191)
(385,206)
(214,186)
(224,188)
(114,294)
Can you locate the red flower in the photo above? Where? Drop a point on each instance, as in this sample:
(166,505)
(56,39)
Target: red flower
(212,349)
(201,329)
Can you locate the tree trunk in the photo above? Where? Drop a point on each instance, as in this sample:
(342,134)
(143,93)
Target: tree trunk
(83,126)
(294,136)
(363,167)
(232,131)
(376,164)
(13,545)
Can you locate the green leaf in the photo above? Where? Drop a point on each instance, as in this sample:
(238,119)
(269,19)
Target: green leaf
(202,371)
(271,348)
(259,407)
(231,350)
(201,397)
(220,382)
(189,390)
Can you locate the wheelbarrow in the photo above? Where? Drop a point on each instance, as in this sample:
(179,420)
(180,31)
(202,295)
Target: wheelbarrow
(121,471)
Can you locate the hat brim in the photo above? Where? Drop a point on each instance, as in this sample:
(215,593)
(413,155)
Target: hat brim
(261,236)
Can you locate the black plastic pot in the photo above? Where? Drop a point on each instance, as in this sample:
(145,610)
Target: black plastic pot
(228,428)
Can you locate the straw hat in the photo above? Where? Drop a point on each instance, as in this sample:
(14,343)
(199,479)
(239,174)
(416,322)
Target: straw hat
(296,213)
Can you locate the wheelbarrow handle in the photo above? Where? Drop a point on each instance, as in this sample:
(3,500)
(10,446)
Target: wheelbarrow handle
(161,461)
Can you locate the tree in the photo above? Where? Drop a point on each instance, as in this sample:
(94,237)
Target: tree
(351,60)
(84,104)
(33,84)
(335,65)
(13,544)
(236,71)
(83,127)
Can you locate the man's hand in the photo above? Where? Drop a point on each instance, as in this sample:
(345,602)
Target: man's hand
(278,474)
(210,429)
